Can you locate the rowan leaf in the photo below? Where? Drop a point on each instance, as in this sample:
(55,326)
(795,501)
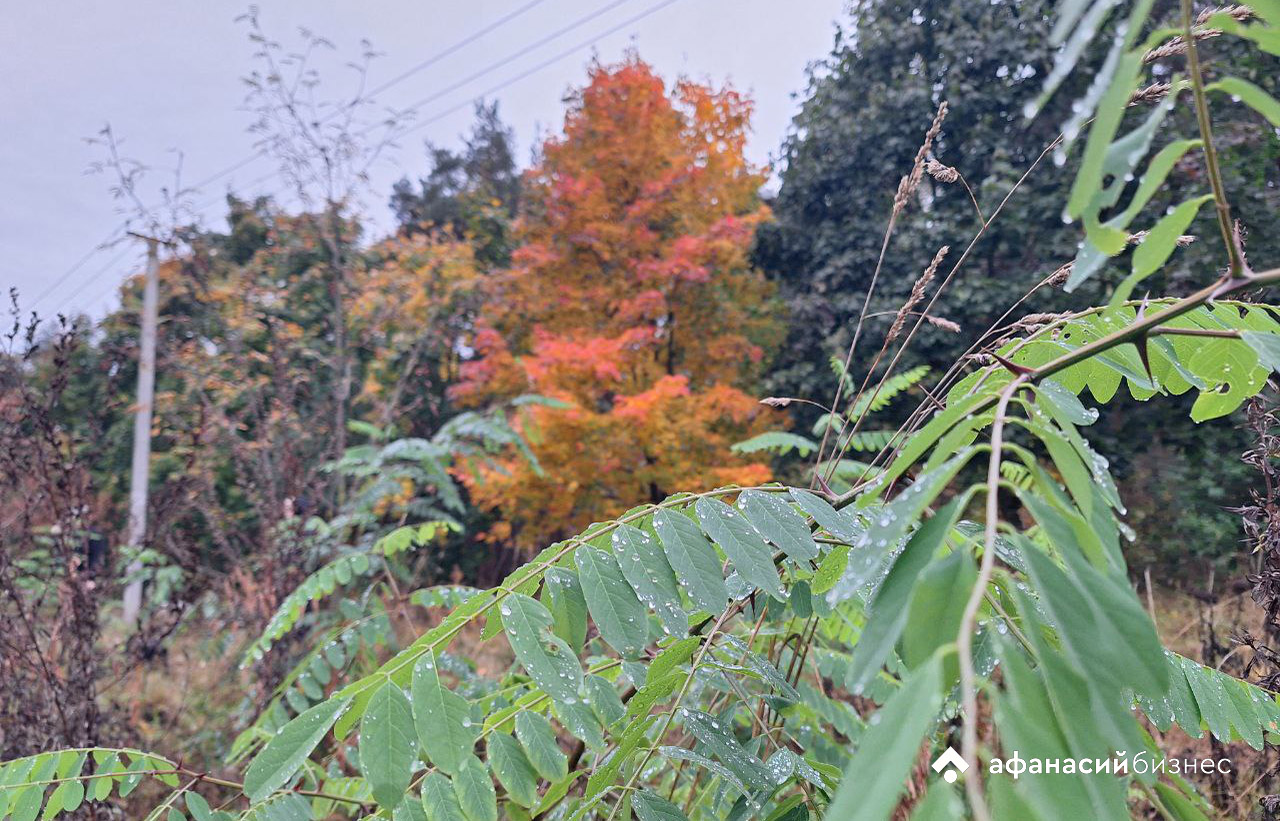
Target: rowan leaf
(742,543)
(442,718)
(388,747)
(693,559)
(620,616)
(283,755)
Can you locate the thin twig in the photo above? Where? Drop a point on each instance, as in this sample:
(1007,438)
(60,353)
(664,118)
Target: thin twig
(964,641)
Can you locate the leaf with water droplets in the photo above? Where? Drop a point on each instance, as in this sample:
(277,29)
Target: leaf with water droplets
(785,765)
(744,546)
(890,524)
(549,661)
(513,769)
(578,719)
(646,568)
(709,764)
(1266,346)
(778,522)
(475,792)
(843,524)
(622,618)
(442,717)
(1066,404)
(887,613)
(650,807)
(713,733)
(604,700)
(693,559)
(763,667)
(388,747)
(540,745)
(277,762)
(562,595)
(439,799)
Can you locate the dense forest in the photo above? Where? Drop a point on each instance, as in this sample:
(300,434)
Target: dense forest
(639,480)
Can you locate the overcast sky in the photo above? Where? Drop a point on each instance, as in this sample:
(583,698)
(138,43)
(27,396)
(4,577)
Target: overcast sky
(166,74)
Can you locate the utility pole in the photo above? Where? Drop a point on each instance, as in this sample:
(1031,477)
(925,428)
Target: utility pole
(140,475)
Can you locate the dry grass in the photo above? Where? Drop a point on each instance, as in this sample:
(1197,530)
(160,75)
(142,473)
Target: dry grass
(1200,627)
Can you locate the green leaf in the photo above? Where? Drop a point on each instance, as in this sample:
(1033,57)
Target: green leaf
(562,594)
(940,804)
(549,661)
(937,605)
(776,441)
(693,559)
(277,762)
(198,807)
(1232,373)
(475,791)
(1103,627)
(1266,346)
(763,667)
(1178,805)
(1025,712)
(888,750)
(778,522)
(100,788)
(647,570)
(1110,111)
(621,617)
(650,807)
(709,764)
(839,523)
(540,745)
(604,700)
(1253,96)
(887,613)
(442,718)
(891,523)
(1159,243)
(747,551)
(1065,403)
(388,747)
(606,775)
(715,736)
(513,769)
(407,811)
(439,800)
(831,570)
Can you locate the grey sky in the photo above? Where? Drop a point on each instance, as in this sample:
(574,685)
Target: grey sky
(167,75)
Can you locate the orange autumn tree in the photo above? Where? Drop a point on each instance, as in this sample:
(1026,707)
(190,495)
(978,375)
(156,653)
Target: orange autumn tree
(631,299)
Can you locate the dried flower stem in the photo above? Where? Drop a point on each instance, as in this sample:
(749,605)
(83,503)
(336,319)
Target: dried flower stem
(905,187)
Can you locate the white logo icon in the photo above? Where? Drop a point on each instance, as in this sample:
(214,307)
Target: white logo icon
(950,758)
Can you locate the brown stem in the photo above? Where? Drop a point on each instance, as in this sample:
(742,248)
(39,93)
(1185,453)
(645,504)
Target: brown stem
(1221,205)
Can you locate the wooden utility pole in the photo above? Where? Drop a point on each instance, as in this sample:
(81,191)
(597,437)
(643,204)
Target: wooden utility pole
(140,475)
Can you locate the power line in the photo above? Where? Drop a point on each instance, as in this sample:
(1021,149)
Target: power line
(231,169)
(65,275)
(111,263)
(112,282)
(559,56)
(534,46)
(399,78)
(453,49)
(569,52)
(552,60)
